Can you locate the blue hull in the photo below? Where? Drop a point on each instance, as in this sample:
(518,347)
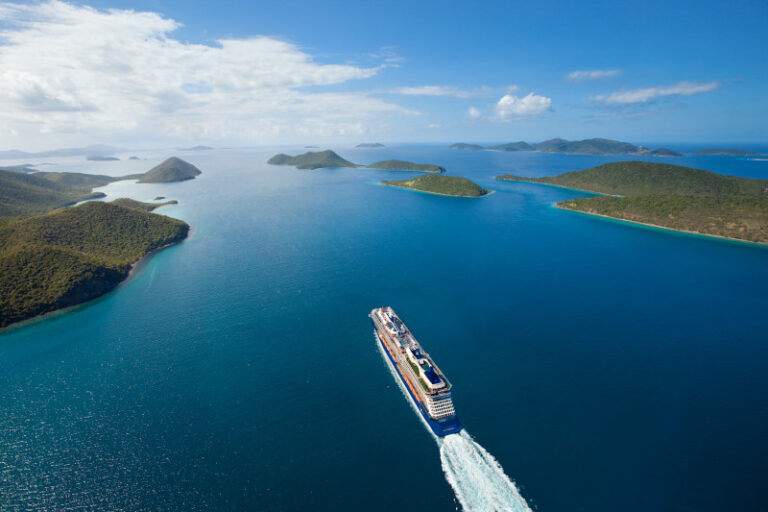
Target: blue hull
(441,427)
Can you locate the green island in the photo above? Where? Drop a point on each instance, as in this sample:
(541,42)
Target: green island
(402,165)
(171,170)
(311,160)
(595,146)
(69,256)
(669,196)
(440,184)
(329,159)
(52,257)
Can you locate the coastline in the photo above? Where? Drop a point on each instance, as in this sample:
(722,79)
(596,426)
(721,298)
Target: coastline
(656,227)
(133,268)
(489,192)
(560,186)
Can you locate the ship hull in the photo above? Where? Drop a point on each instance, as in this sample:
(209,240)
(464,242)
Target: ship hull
(440,428)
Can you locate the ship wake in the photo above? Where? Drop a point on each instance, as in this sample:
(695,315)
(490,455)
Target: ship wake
(478,480)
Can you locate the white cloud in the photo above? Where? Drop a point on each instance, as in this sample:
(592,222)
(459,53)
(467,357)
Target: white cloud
(70,69)
(510,106)
(647,94)
(434,90)
(474,113)
(594,74)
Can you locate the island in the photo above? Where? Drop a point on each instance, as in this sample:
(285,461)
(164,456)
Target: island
(329,159)
(402,165)
(595,146)
(133,158)
(72,255)
(725,152)
(197,148)
(171,170)
(311,160)
(466,147)
(369,145)
(100,158)
(669,196)
(441,185)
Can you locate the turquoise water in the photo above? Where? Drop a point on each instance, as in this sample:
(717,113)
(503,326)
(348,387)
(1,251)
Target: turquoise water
(605,367)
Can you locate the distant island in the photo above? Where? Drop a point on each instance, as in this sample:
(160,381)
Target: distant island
(96,149)
(442,185)
(402,165)
(133,158)
(197,148)
(329,159)
(171,170)
(467,147)
(100,158)
(725,152)
(669,196)
(573,147)
(370,145)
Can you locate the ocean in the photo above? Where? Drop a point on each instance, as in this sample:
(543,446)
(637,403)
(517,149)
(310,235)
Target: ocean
(603,366)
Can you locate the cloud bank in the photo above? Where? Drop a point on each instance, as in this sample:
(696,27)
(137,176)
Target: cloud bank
(68,69)
(512,107)
(648,94)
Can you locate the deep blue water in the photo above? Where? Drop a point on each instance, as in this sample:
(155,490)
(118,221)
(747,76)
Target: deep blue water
(606,367)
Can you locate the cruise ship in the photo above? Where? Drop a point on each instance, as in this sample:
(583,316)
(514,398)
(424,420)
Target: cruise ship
(427,387)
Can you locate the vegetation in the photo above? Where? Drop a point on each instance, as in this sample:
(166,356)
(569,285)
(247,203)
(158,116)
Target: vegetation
(401,165)
(644,178)
(512,146)
(312,160)
(467,147)
(739,217)
(33,194)
(138,205)
(441,184)
(671,196)
(66,257)
(328,158)
(171,170)
(576,147)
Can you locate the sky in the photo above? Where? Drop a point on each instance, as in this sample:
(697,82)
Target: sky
(149,73)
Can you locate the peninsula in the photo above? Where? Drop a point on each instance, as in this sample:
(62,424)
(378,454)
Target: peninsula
(669,196)
(329,159)
(56,260)
(573,147)
(52,257)
(442,185)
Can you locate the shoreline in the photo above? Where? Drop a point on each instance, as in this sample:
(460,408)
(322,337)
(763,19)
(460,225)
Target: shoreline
(133,269)
(561,187)
(648,225)
(489,192)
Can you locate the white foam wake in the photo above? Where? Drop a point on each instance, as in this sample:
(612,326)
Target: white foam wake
(477,478)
